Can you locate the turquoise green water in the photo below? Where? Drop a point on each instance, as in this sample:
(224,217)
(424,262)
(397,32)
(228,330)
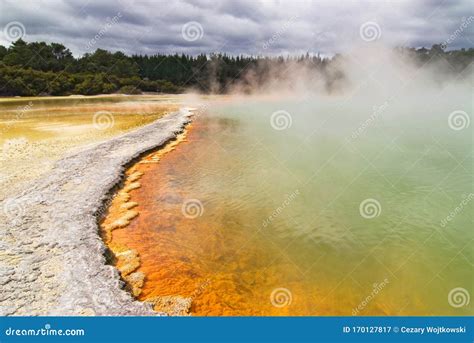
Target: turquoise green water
(281,209)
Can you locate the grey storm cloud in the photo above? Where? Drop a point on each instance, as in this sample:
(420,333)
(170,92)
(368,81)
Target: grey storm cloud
(238,26)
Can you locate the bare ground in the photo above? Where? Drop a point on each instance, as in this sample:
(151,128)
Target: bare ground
(52,259)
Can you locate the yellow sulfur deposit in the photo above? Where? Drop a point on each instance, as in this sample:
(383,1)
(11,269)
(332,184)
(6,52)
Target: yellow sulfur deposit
(121,212)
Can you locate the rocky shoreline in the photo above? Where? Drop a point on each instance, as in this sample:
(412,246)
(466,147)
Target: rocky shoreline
(52,258)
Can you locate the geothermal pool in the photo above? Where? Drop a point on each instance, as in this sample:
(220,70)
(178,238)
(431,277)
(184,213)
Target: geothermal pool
(37,131)
(311,206)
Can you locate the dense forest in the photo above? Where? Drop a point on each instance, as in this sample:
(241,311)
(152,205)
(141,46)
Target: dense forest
(38,68)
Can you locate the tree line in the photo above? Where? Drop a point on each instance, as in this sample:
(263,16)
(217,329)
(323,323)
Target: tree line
(39,68)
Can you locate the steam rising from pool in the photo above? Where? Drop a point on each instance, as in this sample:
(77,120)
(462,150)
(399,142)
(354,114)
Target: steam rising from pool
(352,199)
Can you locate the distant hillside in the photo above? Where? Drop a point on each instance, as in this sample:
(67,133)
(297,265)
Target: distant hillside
(38,68)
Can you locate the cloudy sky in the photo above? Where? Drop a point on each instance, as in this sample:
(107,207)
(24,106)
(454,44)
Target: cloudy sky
(237,26)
